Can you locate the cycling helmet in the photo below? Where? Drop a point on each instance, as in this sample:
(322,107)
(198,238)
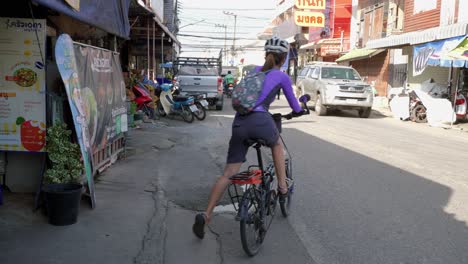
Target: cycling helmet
(276,45)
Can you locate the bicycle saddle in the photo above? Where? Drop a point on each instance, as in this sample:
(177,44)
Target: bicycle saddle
(253,141)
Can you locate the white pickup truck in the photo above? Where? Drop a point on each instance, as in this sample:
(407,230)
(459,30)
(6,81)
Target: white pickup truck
(200,76)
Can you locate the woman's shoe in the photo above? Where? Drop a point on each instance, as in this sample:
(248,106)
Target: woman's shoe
(198,227)
(282,195)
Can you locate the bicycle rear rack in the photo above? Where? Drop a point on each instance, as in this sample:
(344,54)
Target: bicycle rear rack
(240,183)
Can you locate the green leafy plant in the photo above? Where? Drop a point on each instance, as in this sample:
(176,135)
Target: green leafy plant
(133,107)
(64,156)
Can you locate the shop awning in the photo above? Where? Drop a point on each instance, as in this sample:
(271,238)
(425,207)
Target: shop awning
(418,37)
(318,44)
(359,54)
(438,53)
(310,45)
(460,54)
(293,38)
(167,31)
(108,15)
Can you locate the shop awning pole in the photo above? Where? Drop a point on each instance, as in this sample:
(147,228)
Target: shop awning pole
(148,44)
(154,51)
(454,100)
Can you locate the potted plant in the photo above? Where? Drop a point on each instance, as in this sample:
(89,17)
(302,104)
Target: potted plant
(63,179)
(133,107)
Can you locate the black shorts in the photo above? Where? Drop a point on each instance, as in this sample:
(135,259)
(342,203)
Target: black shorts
(257,125)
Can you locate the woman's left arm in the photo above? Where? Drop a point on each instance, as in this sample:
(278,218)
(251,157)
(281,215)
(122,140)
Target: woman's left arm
(289,93)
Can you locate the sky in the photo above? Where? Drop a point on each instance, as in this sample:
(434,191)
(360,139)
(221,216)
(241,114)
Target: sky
(200,36)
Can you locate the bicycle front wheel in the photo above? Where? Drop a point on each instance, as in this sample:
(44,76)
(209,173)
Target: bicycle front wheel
(252,229)
(286,204)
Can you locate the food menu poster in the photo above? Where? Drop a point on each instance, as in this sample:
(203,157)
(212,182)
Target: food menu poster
(22,84)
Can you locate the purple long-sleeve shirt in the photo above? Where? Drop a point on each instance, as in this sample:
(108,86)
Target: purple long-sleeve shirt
(276,80)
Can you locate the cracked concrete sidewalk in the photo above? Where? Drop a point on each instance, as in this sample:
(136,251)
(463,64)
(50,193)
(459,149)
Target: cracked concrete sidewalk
(127,225)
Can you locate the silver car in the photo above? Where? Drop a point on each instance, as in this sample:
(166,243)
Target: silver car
(333,86)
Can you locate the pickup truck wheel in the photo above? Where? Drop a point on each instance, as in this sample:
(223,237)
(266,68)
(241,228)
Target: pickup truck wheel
(365,112)
(320,109)
(219,104)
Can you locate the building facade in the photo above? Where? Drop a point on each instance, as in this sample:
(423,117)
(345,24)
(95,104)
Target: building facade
(329,42)
(426,22)
(382,68)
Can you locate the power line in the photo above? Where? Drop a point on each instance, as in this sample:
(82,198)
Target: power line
(217,32)
(237,9)
(199,36)
(206,23)
(249,17)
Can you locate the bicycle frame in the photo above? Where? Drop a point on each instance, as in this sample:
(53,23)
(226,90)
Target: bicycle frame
(264,186)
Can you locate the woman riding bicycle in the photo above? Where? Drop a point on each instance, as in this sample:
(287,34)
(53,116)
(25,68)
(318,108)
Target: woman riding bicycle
(258,124)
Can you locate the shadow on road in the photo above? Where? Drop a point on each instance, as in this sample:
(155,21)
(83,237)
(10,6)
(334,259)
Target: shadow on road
(349,208)
(360,210)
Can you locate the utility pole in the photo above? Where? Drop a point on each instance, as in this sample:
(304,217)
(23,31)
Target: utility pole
(162,54)
(234,39)
(225,37)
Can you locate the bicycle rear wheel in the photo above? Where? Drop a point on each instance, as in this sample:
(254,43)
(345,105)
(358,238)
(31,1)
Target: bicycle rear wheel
(286,205)
(252,230)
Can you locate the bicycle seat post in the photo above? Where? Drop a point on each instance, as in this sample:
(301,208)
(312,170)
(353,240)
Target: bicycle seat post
(257,147)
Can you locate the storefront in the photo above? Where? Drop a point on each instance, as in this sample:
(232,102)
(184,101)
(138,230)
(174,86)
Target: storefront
(36,95)
(444,62)
(151,44)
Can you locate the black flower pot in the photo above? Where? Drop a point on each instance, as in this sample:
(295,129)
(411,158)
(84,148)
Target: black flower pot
(62,203)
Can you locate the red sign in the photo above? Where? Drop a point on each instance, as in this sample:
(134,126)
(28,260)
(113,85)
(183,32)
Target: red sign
(331,49)
(310,4)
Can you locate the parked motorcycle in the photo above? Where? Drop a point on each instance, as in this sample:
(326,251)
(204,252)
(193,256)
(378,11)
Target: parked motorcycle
(143,100)
(418,112)
(181,105)
(199,100)
(202,105)
(461,106)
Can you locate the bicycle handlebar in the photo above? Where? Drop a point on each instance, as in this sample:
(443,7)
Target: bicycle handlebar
(306,111)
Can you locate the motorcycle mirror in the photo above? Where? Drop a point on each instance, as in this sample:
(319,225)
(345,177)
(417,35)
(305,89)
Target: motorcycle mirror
(304,98)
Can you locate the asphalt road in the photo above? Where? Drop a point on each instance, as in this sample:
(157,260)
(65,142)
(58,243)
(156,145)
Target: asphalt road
(374,190)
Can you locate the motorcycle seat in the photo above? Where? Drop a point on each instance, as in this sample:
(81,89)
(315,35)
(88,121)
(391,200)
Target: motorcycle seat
(181,98)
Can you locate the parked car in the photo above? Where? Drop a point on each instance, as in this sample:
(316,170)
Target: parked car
(333,86)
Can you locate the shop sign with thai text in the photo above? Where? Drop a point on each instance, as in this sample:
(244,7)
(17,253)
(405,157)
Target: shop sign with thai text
(332,49)
(310,4)
(22,84)
(309,19)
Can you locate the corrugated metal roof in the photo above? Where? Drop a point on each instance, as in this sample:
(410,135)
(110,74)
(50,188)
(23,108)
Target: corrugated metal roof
(418,37)
(359,54)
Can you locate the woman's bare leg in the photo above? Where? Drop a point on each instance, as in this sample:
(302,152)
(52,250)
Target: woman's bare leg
(278,158)
(220,186)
